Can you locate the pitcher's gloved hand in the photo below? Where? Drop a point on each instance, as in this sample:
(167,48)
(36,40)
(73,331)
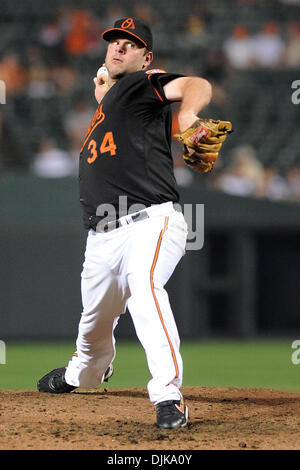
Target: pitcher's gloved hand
(202,142)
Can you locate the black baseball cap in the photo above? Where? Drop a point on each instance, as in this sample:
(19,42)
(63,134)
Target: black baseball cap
(132,27)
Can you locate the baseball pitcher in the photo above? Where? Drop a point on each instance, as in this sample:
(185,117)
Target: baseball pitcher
(135,237)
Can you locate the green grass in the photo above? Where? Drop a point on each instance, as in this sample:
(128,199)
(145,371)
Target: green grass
(263,364)
(211,363)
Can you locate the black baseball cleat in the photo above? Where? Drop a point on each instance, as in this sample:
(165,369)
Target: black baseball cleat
(54,381)
(171,414)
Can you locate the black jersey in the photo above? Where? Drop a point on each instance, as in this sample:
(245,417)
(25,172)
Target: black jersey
(127,149)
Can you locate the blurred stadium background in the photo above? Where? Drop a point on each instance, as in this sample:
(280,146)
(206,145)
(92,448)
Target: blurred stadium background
(244,284)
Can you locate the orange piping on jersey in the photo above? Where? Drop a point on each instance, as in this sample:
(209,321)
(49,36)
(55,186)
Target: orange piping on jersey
(161,99)
(155,299)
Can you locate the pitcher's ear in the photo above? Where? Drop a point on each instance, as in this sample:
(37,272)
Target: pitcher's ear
(148,59)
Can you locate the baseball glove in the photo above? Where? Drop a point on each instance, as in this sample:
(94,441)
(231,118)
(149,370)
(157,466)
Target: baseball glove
(202,143)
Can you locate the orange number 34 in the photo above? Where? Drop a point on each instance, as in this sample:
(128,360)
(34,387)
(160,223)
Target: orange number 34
(107,145)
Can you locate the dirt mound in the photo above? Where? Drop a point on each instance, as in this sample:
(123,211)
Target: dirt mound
(123,419)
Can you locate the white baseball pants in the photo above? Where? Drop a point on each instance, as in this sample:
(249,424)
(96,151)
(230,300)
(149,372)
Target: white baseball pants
(129,267)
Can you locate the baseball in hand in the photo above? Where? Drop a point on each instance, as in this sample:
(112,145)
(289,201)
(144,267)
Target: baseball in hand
(101,83)
(102,70)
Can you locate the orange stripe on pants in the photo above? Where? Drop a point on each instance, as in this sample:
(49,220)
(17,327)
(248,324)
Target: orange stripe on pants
(155,298)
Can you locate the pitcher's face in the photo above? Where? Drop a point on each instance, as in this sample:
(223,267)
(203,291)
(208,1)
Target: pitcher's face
(125,56)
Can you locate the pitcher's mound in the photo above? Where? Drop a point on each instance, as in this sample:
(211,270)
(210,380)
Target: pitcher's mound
(122,419)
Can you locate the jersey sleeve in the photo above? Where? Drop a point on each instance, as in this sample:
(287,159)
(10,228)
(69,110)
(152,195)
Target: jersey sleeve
(143,91)
(158,79)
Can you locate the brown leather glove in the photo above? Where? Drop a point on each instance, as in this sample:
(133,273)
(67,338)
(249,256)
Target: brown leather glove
(202,142)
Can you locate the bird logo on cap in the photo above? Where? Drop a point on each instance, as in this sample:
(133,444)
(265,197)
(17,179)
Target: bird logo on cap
(128,24)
